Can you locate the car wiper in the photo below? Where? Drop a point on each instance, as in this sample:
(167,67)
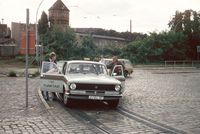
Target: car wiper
(95,69)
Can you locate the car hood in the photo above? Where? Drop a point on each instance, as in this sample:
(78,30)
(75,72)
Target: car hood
(92,79)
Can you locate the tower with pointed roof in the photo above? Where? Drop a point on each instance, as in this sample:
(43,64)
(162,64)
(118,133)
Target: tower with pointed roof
(59,14)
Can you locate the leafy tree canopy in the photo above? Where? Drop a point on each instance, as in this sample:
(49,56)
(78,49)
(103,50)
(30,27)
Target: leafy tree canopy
(188,22)
(62,42)
(43,25)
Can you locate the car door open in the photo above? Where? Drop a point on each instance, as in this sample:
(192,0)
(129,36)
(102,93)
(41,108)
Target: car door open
(51,79)
(118,73)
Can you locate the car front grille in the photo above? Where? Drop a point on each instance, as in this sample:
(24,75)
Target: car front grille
(95,87)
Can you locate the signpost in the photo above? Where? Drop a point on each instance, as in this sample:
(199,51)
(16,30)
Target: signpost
(27,44)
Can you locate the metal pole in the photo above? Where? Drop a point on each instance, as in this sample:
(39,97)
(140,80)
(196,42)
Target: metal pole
(27,47)
(36,35)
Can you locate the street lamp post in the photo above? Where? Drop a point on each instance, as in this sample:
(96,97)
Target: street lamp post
(36,34)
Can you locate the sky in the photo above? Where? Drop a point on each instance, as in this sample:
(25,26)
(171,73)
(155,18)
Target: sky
(146,15)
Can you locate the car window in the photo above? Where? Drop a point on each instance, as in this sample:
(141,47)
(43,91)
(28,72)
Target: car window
(85,68)
(60,64)
(128,62)
(107,62)
(49,67)
(125,62)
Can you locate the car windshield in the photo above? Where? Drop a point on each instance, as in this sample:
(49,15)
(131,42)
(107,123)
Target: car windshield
(86,68)
(127,62)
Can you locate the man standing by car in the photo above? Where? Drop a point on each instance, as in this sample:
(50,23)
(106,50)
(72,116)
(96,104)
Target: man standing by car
(52,59)
(113,63)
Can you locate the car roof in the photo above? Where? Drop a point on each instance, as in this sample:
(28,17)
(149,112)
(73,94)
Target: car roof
(123,59)
(83,61)
(107,59)
(118,59)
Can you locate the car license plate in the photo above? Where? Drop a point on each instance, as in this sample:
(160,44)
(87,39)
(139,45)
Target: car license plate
(96,97)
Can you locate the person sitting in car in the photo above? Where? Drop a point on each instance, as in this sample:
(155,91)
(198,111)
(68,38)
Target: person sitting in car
(113,63)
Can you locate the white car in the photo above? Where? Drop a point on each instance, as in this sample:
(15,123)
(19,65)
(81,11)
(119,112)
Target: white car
(127,64)
(85,80)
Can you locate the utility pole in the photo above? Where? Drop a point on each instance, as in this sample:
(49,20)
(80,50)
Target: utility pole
(130,26)
(27,47)
(37,37)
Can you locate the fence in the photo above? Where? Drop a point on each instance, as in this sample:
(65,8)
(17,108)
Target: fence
(182,63)
(7,50)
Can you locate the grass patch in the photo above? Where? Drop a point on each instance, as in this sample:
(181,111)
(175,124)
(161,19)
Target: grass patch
(18,61)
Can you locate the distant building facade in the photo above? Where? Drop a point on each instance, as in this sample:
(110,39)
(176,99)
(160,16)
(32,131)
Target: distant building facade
(18,33)
(102,41)
(4,31)
(31,47)
(7,45)
(59,14)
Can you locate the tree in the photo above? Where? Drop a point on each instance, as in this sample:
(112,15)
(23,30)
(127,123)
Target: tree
(62,42)
(156,47)
(188,22)
(43,25)
(87,48)
(176,24)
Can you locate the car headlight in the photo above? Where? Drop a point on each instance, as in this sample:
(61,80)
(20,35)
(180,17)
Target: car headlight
(72,86)
(117,87)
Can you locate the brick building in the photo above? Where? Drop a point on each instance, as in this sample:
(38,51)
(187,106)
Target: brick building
(59,14)
(18,33)
(31,47)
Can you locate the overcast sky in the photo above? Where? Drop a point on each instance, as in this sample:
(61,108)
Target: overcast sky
(146,15)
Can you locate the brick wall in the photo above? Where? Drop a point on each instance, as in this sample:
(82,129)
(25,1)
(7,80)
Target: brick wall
(31,47)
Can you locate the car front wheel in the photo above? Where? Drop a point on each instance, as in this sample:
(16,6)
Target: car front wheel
(113,103)
(67,101)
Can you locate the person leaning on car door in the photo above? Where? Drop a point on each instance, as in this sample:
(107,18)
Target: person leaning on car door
(113,63)
(52,58)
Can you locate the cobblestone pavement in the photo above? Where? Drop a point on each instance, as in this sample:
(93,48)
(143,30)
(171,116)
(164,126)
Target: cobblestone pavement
(171,97)
(16,118)
(110,118)
(167,96)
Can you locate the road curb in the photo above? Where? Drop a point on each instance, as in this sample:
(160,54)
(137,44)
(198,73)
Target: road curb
(43,101)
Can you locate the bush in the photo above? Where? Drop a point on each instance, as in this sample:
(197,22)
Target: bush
(12,74)
(36,74)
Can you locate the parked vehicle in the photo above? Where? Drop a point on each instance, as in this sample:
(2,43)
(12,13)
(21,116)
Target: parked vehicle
(84,80)
(128,66)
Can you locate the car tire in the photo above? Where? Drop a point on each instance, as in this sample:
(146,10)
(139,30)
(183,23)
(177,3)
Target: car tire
(67,102)
(113,103)
(125,73)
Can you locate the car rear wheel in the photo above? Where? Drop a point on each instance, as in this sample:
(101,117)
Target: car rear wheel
(125,73)
(113,103)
